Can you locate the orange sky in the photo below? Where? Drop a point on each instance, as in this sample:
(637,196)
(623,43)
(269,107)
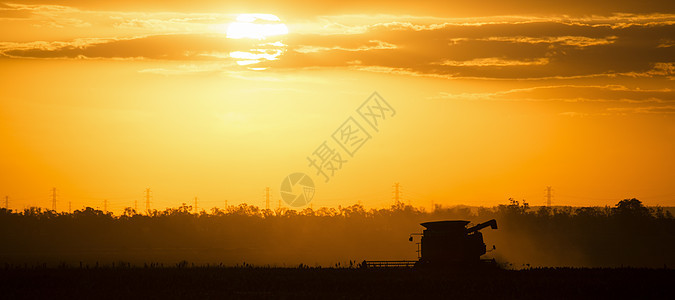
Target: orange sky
(103,99)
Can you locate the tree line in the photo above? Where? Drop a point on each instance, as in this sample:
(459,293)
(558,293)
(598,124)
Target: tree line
(628,234)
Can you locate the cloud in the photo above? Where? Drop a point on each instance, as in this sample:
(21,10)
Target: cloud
(492,48)
(494,62)
(190,69)
(372,45)
(573,114)
(579,101)
(577,41)
(501,50)
(585,100)
(163,47)
(440,8)
(588,64)
(667,109)
(57,16)
(659,69)
(577,93)
(45,22)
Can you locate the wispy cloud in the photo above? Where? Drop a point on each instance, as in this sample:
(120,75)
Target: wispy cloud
(577,41)
(372,45)
(590,100)
(162,47)
(579,93)
(667,109)
(494,62)
(190,69)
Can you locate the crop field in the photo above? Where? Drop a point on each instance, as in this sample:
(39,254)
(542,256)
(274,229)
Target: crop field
(340,283)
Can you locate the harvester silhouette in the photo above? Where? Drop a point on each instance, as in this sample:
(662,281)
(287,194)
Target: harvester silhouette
(445,244)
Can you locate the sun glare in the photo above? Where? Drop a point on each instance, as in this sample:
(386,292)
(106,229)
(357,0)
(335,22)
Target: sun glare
(256,26)
(264,31)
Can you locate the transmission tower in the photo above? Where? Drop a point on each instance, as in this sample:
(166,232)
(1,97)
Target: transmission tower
(54,199)
(397,192)
(196,211)
(267,198)
(6,202)
(549,194)
(105,206)
(70,211)
(147,200)
(136,206)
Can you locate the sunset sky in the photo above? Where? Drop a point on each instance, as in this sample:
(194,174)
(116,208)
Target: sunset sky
(489,100)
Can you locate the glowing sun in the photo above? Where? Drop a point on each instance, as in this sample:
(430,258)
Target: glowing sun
(256,26)
(260,34)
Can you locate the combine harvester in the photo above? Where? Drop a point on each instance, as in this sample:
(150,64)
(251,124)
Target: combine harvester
(445,244)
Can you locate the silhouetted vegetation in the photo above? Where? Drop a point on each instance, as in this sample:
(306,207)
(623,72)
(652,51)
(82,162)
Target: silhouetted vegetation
(333,283)
(627,234)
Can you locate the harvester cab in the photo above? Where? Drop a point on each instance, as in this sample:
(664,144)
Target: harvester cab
(445,244)
(451,243)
